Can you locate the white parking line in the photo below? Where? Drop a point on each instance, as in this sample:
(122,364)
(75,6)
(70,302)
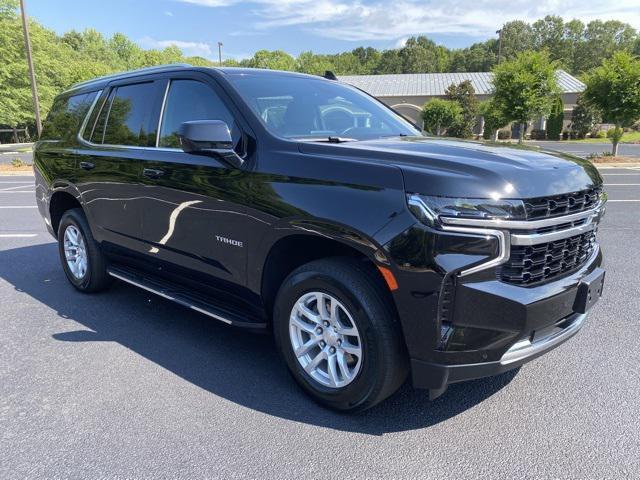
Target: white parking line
(17,187)
(18,235)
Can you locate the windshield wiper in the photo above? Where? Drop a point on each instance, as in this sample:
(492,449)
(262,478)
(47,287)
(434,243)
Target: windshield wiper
(395,135)
(329,139)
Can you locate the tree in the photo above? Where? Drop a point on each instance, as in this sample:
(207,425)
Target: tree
(307,62)
(438,115)
(602,39)
(8,8)
(494,119)
(549,34)
(479,57)
(464,95)
(614,89)
(274,60)
(525,87)
(584,118)
(517,37)
(556,119)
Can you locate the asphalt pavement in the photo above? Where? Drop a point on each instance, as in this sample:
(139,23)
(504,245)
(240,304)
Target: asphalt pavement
(125,384)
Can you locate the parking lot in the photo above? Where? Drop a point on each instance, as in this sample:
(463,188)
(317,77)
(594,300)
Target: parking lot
(126,384)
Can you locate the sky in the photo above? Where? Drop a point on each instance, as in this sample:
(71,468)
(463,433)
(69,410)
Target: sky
(323,26)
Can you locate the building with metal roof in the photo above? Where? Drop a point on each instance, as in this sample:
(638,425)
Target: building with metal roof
(407,93)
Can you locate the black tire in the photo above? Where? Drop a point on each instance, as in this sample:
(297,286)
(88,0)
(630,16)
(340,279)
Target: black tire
(353,283)
(95,278)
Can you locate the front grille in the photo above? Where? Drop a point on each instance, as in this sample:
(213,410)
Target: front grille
(528,265)
(545,207)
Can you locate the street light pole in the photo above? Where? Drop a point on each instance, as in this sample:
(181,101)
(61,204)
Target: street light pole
(499,32)
(220,53)
(32,75)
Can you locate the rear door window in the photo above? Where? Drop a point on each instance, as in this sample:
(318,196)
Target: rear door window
(128,117)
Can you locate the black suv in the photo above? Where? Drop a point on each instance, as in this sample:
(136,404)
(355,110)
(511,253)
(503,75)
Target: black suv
(298,204)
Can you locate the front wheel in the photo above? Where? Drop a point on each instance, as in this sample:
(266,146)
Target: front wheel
(337,332)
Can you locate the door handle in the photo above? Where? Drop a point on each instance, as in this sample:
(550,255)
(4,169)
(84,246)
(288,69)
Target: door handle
(87,165)
(152,173)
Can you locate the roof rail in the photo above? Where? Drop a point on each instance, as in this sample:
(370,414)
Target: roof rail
(156,68)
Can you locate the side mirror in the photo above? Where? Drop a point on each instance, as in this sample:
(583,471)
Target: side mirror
(211,138)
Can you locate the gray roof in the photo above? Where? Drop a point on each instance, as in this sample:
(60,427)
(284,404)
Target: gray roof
(435,84)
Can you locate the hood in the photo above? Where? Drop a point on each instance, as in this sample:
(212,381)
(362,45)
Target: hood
(458,168)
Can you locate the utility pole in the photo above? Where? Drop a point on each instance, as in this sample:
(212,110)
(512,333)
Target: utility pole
(499,32)
(32,74)
(220,53)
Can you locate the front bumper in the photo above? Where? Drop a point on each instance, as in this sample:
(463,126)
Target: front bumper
(461,322)
(502,327)
(436,377)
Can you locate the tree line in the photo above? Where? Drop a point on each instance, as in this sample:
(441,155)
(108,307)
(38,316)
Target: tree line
(526,88)
(62,60)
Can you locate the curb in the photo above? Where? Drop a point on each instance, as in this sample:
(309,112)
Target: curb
(617,165)
(25,173)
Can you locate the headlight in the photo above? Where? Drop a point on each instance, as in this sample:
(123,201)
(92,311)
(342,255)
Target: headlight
(428,208)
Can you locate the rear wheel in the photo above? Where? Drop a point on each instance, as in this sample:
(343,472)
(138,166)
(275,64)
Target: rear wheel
(82,261)
(338,334)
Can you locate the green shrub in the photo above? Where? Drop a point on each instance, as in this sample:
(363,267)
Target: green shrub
(538,134)
(555,120)
(615,134)
(439,115)
(504,134)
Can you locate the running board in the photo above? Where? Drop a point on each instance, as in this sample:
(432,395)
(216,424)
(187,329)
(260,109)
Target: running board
(183,296)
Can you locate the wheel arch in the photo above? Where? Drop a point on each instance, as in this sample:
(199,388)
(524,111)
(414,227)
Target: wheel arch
(289,252)
(60,202)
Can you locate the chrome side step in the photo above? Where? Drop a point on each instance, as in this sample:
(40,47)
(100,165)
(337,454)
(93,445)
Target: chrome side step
(182,296)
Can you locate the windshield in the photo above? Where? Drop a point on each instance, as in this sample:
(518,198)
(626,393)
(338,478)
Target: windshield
(316,109)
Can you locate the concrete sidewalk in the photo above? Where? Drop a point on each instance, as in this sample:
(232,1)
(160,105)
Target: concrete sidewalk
(14,147)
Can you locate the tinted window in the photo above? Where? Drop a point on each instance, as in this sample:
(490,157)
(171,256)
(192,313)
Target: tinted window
(130,116)
(97,133)
(192,100)
(304,107)
(66,116)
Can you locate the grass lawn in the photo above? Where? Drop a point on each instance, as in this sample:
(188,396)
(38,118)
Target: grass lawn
(629,137)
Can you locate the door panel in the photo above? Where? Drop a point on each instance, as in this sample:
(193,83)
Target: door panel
(194,217)
(120,135)
(194,213)
(110,192)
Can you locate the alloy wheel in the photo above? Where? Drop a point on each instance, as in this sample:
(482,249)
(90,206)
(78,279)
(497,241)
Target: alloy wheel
(75,252)
(325,339)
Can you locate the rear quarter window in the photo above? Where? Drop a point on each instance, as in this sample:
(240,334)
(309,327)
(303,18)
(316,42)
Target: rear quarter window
(66,116)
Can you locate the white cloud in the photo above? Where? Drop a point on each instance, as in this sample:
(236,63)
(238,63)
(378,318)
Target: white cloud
(401,42)
(396,19)
(210,3)
(168,13)
(188,48)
